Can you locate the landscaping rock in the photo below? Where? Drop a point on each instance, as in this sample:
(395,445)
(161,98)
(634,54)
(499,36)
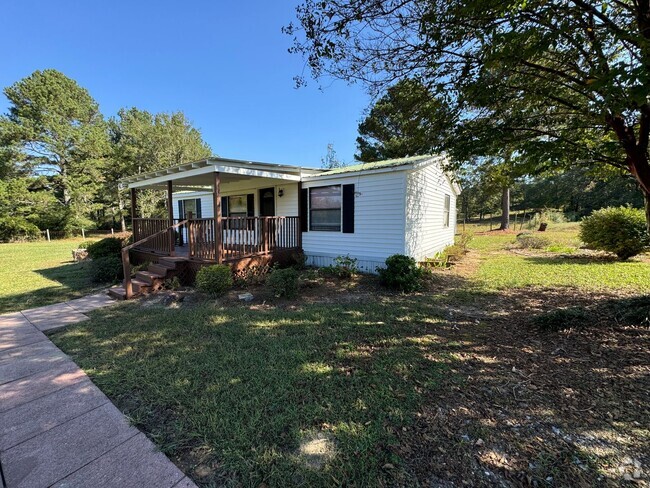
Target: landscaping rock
(245,297)
(79,255)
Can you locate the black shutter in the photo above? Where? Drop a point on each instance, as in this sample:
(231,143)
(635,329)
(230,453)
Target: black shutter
(198,208)
(302,209)
(180,210)
(224,207)
(348,209)
(250,205)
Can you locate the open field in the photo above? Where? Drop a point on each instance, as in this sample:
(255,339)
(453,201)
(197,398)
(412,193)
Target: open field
(40,273)
(353,385)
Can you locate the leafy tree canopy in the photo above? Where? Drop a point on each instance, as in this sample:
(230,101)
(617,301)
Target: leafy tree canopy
(565,82)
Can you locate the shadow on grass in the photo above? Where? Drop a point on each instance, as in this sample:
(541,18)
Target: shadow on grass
(422,389)
(74,282)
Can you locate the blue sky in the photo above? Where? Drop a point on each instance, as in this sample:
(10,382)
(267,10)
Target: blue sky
(225,64)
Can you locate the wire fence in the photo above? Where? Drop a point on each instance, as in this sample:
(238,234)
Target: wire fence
(51,235)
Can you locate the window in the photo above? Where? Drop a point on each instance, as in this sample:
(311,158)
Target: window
(325,208)
(238,206)
(446,211)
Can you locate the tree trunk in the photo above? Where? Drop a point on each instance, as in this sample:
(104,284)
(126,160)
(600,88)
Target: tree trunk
(120,207)
(505,209)
(646,201)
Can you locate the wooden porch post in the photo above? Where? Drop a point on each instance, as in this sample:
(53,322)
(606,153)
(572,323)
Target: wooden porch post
(301,214)
(216,195)
(170,211)
(133,207)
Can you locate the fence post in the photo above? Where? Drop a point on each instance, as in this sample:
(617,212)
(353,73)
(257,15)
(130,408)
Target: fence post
(83,234)
(112,231)
(47,231)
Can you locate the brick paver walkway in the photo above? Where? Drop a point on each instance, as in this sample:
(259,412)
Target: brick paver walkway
(56,427)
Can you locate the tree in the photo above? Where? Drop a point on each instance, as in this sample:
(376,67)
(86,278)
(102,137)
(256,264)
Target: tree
(143,142)
(54,128)
(331,160)
(407,121)
(566,82)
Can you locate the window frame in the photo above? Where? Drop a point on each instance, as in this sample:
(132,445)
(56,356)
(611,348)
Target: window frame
(339,208)
(446,210)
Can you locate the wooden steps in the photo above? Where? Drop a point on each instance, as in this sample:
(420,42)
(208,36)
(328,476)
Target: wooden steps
(151,280)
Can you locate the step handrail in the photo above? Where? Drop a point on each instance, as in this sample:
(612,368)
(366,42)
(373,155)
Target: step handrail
(126,263)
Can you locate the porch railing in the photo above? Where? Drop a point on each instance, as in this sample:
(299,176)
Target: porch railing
(143,243)
(237,237)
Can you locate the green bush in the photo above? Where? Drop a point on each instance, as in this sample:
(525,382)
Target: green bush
(562,319)
(84,244)
(345,267)
(110,246)
(283,282)
(401,273)
(214,280)
(529,241)
(17,229)
(619,230)
(106,269)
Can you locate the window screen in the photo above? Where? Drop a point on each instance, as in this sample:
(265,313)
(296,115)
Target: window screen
(325,208)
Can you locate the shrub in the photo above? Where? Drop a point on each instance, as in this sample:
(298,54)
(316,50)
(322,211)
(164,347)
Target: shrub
(17,229)
(84,244)
(110,246)
(401,273)
(172,283)
(562,319)
(345,267)
(283,282)
(214,280)
(106,269)
(619,230)
(529,241)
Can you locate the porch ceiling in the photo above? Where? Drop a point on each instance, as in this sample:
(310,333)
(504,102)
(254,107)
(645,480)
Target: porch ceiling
(200,175)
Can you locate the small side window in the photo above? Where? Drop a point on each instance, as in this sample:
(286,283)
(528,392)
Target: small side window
(446,211)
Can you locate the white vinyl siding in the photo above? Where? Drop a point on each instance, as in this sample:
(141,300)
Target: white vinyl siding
(378,222)
(426,232)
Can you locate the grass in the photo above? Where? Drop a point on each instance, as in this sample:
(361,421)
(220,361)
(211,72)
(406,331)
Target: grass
(400,387)
(500,269)
(40,273)
(247,387)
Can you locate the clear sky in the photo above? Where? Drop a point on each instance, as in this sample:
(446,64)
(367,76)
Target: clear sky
(224,63)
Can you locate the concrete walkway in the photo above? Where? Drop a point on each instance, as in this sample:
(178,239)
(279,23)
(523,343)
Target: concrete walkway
(56,427)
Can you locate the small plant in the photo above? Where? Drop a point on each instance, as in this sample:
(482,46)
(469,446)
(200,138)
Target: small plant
(172,283)
(16,229)
(283,282)
(299,259)
(110,246)
(345,267)
(439,260)
(529,241)
(562,319)
(252,275)
(464,240)
(619,230)
(401,273)
(214,280)
(106,269)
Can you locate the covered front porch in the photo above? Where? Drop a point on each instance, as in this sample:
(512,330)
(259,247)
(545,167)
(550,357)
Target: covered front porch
(221,211)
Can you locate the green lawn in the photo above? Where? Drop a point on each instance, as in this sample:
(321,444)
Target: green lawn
(247,387)
(40,273)
(394,388)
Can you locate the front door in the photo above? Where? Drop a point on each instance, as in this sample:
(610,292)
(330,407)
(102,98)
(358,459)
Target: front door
(267,202)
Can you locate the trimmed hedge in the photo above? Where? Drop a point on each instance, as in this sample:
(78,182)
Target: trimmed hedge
(401,273)
(110,246)
(214,280)
(106,269)
(283,282)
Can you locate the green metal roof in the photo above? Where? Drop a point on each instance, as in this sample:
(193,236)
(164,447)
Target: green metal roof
(389,163)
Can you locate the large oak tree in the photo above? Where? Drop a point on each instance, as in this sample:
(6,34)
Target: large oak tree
(567,82)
